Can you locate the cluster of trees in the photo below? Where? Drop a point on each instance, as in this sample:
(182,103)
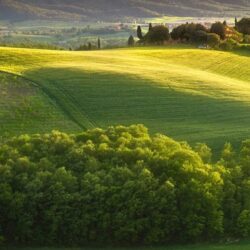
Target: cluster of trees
(90,46)
(155,35)
(219,35)
(243,26)
(120,186)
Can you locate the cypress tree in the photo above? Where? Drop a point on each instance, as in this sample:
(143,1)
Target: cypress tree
(89,46)
(131,41)
(150,27)
(99,43)
(139,32)
(236,21)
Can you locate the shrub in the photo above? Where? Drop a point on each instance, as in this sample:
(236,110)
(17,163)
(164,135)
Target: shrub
(229,44)
(244,223)
(246,39)
(213,40)
(233,34)
(131,41)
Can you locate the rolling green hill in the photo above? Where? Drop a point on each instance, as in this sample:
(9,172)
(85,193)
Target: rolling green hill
(110,9)
(189,94)
(25,108)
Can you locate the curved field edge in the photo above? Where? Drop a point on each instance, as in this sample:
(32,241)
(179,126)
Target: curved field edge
(25,108)
(189,94)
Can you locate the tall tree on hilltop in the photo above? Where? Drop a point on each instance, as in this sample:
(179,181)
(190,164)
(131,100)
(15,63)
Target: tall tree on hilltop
(150,27)
(99,43)
(236,21)
(139,32)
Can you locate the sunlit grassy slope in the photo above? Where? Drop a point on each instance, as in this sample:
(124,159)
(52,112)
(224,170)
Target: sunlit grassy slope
(189,94)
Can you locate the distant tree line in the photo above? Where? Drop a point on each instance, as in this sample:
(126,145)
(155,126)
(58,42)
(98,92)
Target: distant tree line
(90,46)
(219,35)
(120,186)
(31,45)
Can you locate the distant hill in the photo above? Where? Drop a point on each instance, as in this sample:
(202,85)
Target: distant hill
(110,9)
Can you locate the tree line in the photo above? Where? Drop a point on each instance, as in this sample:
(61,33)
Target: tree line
(90,46)
(219,35)
(120,186)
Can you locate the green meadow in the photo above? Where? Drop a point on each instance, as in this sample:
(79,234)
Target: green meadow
(186,93)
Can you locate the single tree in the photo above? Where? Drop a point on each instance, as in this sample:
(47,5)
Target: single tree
(158,34)
(178,32)
(131,41)
(243,26)
(236,21)
(219,29)
(150,27)
(139,32)
(188,32)
(199,37)
(89,46)
(213,40)
(99,43)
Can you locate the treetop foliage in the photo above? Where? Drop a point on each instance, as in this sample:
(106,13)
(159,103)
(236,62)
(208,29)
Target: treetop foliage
(119,186)
(155,35)
(187,31)
(243,26)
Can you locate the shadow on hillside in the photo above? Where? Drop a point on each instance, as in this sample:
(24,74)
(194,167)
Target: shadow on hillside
(242,52)
(103,99)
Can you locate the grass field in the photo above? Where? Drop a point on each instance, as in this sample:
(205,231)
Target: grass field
(189,94)
(24,108)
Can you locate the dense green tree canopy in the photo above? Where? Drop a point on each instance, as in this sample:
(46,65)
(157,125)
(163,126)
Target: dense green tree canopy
(219,29)
(188,32)
(119,185)
(213,39)
(243,26)
(157,34)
